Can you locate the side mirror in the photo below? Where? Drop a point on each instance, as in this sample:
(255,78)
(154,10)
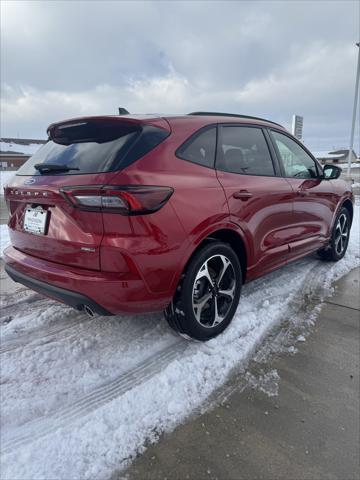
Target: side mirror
(330,172)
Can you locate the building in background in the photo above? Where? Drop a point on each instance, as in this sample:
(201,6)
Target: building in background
(336,156)
(297,126)
(15,151)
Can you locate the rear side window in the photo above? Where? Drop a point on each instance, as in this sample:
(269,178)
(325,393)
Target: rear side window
(102,151)
(244,150)
(200,148)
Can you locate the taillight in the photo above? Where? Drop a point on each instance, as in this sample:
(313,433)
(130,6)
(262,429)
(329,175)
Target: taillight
(126,200)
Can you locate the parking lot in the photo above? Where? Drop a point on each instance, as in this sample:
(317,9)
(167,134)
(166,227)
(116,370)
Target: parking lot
(98,391)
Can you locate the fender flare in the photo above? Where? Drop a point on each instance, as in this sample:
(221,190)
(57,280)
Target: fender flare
(200,238)
(339,207)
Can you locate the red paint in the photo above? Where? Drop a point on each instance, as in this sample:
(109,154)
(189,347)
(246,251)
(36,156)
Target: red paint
(134,263)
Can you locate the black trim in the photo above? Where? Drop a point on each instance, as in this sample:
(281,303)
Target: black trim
(74,299)
(337,168)
(219,114)
(149,138)
(273,154)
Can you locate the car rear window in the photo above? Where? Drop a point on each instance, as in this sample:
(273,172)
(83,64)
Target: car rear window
(104,150)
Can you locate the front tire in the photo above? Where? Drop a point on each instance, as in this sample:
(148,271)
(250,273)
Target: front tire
(208,294)
(339,240)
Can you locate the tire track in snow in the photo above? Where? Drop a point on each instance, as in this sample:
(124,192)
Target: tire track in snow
(65,323)
(22,306)
(147,369)
(25,295)
(43,335)
(310,288)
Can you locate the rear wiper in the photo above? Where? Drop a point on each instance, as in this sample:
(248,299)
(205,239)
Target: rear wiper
(50,167)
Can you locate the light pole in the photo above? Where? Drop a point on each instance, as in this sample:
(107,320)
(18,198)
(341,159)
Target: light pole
(354,112)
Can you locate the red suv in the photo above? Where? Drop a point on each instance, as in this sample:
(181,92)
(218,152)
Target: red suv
(145,213)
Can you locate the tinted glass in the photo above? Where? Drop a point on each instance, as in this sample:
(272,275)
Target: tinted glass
(96,156)
(200,148)
(297,163)
(244,150)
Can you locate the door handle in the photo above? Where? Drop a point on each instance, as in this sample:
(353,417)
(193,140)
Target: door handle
(303,193)
(242,195)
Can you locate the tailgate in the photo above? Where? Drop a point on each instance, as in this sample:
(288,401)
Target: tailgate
(66,235)
(84,152)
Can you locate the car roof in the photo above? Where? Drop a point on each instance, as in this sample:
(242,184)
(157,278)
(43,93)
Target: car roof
(232,116)
(209,118)
(199,119)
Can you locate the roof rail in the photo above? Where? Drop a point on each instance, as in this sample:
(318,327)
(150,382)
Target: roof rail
(219,114)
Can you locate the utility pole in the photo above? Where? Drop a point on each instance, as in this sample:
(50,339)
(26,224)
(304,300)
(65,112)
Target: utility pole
(356,96)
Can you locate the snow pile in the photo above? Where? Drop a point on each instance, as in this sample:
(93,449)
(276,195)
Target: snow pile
(81,397)
(15,147)
(5,177)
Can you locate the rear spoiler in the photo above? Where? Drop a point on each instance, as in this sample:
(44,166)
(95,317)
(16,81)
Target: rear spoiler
(101,129)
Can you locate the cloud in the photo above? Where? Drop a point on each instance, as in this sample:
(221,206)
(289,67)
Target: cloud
(272,59)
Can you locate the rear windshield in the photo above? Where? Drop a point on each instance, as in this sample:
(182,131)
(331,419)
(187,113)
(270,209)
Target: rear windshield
(95,156)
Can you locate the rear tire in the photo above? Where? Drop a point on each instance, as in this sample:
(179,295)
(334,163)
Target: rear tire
(339,240)
(208,294)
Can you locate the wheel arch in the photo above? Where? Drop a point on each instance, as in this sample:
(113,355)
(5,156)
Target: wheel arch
(348,204)
(349,207)
(231,237)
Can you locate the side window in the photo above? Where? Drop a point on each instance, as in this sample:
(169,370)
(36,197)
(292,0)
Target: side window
(297,163)
(200,148)
(244,150)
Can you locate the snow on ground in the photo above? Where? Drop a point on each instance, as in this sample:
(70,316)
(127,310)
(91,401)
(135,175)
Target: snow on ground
(5,176)
(265,382)
(4,238)
(352,165)
(81,397)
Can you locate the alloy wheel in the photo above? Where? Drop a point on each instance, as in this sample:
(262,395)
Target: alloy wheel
(213,291)
(341,234)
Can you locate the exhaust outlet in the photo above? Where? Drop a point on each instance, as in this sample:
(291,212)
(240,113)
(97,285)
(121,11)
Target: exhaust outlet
(89,312)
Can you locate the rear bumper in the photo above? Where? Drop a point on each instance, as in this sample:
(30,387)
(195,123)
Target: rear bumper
(74,299)
(104,293)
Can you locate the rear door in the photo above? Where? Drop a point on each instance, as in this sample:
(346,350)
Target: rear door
(312,198)
(259,199)
(81,154)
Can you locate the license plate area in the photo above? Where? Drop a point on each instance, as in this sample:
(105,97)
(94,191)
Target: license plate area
(36,220)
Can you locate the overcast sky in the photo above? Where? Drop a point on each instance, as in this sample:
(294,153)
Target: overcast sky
(271,59)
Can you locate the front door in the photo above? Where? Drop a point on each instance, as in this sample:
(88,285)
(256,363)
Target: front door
(313,198)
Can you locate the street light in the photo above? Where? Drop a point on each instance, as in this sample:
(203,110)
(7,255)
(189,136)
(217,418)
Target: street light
(354,112)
